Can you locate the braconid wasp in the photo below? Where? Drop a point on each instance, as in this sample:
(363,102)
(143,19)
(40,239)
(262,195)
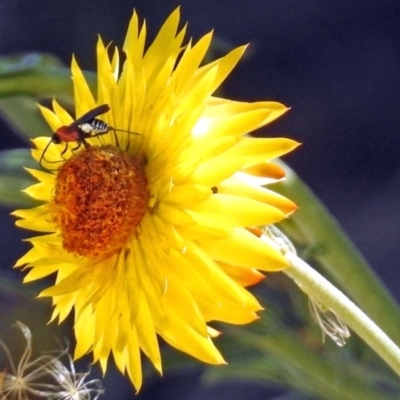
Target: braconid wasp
(85,127)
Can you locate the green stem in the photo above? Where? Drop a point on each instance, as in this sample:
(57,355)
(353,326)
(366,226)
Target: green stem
(309,371)
(317,229)
(315,285)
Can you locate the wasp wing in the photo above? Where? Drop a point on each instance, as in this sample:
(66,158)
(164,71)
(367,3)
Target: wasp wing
(89,116)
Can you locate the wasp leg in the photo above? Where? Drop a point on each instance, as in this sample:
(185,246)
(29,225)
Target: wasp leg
(65,149)
(79,145)
(116,138)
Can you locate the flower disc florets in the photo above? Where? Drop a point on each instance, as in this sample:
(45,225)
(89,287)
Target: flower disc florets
(100,198)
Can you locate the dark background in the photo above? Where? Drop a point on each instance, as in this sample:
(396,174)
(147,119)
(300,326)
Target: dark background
(335,63)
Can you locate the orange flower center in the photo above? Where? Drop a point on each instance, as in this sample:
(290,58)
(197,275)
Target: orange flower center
(100,199)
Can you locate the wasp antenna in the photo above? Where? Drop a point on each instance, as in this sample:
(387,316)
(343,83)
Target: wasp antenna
(43,153)
(122,130)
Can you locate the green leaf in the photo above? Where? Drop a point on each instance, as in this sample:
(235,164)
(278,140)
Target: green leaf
(37,75)
(16,63)
(14,179)
(23,115)
(24,79)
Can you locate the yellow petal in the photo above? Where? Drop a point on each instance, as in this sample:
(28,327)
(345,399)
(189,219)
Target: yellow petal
(244,276)
(218,107)
(173,215)
(244,249)
(41,176)
(39,225)
(187,194)
(235,124)
(225,65)
(189,341)
(190,61)
(167,44)
(147,334)
(254,151)
(84,100)
(212,172)
(232,210)
(40,191)
(266,169)
(135,39)
(237,187)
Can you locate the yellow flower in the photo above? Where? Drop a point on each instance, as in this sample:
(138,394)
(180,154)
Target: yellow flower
(152,232)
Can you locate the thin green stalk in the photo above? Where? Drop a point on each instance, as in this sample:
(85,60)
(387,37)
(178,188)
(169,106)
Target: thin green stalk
(329,246)
(318,375)
(316,286)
